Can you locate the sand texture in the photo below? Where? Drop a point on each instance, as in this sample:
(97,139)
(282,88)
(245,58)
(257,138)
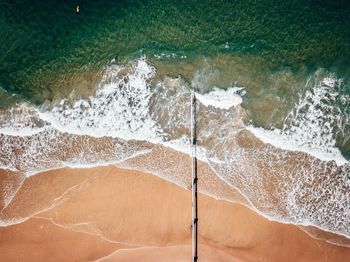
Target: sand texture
(113,214)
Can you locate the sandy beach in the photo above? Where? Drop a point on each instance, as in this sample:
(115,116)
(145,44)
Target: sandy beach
(113,214)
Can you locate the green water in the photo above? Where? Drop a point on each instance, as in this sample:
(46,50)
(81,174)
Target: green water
(45,42)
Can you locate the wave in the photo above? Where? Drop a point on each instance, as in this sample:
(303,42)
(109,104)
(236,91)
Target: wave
(317,119)
(302,180)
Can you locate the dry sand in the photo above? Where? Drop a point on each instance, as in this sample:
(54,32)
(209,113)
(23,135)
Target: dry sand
(115,214)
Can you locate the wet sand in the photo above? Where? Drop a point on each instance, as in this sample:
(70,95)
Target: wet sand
(113,214)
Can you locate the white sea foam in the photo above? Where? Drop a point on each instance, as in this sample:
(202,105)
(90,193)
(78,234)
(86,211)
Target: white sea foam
(24,131)
(21,120)
(182,144)
(82,164)
(220,98)
(314,122)
(278,139)
(169,55)
(119,107)
(54,149)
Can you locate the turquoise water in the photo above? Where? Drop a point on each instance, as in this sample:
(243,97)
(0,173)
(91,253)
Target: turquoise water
(42,41)
(269,47)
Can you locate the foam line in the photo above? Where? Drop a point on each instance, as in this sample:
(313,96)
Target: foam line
(219,98)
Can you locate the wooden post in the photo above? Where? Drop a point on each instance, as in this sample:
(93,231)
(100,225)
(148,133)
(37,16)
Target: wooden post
(194,179)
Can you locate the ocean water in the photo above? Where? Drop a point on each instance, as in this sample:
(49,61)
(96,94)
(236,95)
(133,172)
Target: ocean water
(111,84)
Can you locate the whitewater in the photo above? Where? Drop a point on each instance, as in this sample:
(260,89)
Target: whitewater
(292,174)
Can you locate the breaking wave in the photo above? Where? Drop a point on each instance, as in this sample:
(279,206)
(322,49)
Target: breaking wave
(294,174)
(320,115)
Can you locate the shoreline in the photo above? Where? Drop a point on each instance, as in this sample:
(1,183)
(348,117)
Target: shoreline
(235,196)
(145,210)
